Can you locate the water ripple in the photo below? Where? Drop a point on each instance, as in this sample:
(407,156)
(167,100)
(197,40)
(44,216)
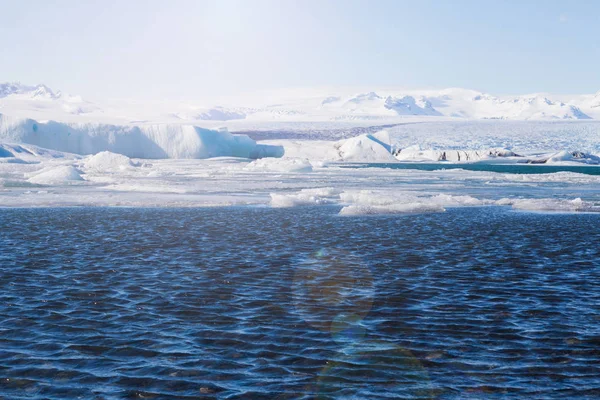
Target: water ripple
(280,304)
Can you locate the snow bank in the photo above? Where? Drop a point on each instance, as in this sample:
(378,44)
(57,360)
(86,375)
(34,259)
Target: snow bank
(552,205)
(280,165)
(316,196)
(366,148)
(65,174)
(146,141)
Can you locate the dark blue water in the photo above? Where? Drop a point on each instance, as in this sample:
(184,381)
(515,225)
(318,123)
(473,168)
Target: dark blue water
(254,303)
(485,167)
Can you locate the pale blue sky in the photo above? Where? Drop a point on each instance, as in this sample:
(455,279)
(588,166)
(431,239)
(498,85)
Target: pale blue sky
(180,49)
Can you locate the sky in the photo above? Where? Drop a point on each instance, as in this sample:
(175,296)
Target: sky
(190,49)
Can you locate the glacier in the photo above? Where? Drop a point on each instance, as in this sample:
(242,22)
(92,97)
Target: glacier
(153,141)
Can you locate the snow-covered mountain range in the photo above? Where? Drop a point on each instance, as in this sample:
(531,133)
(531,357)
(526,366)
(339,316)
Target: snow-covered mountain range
(319,105)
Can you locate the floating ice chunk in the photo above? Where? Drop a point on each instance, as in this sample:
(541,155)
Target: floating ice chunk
(573,156)
(64,174)
(505,202)
(366,202)
(316,196)
(280,165)
(553,205)
(563,176)
(447,200)
(107,161)
(408,208)
(415,153)
(372,198)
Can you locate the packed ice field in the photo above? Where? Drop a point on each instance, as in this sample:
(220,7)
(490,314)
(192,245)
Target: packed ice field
(49,165)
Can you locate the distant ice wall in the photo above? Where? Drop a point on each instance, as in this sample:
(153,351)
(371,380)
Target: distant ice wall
(146,141)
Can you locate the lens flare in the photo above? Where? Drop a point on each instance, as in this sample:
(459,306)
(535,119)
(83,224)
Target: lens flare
(332,290)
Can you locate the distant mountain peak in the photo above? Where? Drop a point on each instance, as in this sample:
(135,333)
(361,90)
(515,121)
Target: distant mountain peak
(37,91)
(362,97)
(344,104)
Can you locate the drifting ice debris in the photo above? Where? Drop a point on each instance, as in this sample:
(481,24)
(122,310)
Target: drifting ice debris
(573,156)
(414,153)
(551,205)
(292,165)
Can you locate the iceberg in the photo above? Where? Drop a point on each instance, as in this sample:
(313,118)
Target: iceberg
(415,153)
(366,148)
(155,141)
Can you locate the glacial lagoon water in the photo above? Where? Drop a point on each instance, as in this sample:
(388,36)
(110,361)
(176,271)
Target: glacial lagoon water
(515,168)
(260,303)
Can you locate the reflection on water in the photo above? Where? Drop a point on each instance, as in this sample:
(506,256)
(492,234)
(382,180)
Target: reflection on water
(298,303)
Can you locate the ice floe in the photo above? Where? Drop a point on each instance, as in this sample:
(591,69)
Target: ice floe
(572,156)
(365,202)
(280,165)
(316,196)
(551,205)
